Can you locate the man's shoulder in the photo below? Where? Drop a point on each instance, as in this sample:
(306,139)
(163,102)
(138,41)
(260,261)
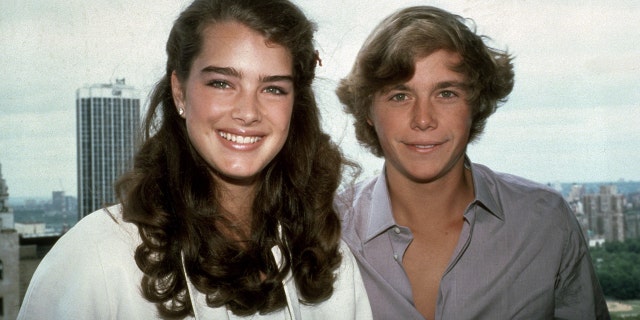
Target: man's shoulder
(355,194)
(516,196)
(510,183)
(353,205)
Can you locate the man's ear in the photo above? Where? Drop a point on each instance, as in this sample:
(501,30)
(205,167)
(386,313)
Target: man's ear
(178,93)
(369,122)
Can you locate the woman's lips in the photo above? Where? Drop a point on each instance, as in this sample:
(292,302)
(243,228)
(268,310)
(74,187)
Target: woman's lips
(239,139)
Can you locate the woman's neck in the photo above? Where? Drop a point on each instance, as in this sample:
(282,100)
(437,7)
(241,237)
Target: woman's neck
(236,202)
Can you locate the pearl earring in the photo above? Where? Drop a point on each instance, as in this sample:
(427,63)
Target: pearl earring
(180,111)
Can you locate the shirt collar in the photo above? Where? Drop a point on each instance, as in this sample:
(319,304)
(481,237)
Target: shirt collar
(381,217)
(484,189)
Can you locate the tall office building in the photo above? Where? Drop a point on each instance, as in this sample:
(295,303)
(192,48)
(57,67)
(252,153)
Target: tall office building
(108,117)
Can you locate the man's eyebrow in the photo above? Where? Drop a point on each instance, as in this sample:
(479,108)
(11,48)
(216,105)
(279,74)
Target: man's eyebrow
(449,84)
(399,87)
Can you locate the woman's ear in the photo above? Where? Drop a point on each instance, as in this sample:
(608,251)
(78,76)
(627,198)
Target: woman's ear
(178,94)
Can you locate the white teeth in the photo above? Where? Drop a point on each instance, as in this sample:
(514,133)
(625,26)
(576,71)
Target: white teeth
(425,146)
(239,139)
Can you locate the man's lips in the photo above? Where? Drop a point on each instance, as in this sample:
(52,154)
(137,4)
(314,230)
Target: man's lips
(423,146)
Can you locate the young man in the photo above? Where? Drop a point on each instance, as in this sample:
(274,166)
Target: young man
(435,235)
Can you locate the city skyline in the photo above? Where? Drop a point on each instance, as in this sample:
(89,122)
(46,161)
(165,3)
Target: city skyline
(571,117)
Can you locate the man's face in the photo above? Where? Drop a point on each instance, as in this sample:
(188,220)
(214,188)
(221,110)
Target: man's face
(423,124)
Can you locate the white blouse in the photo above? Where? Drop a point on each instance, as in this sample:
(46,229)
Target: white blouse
(91,273)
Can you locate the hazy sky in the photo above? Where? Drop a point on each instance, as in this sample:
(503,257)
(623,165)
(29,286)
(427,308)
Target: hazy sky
(573,116)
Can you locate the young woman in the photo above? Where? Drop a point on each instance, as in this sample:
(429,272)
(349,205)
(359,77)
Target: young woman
(228,210)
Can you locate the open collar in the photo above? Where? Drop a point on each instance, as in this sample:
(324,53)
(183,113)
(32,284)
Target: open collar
(381,216)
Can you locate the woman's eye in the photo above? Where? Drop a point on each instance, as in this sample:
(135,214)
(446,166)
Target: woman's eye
(218,84)
(275,90)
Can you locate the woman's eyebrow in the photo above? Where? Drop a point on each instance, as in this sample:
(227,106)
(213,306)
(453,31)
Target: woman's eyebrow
(277,78)
(222,70)
(229,71)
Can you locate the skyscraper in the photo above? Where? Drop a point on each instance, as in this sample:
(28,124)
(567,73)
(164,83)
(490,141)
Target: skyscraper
(108,116)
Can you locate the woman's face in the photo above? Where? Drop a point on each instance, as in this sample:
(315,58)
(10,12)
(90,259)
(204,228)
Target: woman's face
(237,101)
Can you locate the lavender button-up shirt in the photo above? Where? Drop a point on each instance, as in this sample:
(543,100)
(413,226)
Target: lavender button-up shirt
(521,254)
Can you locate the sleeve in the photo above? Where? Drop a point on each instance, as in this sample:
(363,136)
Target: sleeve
(578,292)
(69,282)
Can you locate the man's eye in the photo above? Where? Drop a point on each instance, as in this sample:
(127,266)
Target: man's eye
(399,97)
(448,94)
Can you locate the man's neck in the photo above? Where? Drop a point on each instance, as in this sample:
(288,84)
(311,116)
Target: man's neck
(431,203)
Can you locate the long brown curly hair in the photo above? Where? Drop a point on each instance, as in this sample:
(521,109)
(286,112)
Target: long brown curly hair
(170,193)
(387,57)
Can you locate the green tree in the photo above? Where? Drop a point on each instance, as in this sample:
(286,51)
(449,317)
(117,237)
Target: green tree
(617,267)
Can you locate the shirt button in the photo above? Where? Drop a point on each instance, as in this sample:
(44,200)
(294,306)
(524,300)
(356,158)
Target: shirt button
(396,230)
(395,257)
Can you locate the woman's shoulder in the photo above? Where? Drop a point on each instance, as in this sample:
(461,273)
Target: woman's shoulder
(349,299)
(98,237)
(348,262)
(105,224)
(93,263)
(94,245)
